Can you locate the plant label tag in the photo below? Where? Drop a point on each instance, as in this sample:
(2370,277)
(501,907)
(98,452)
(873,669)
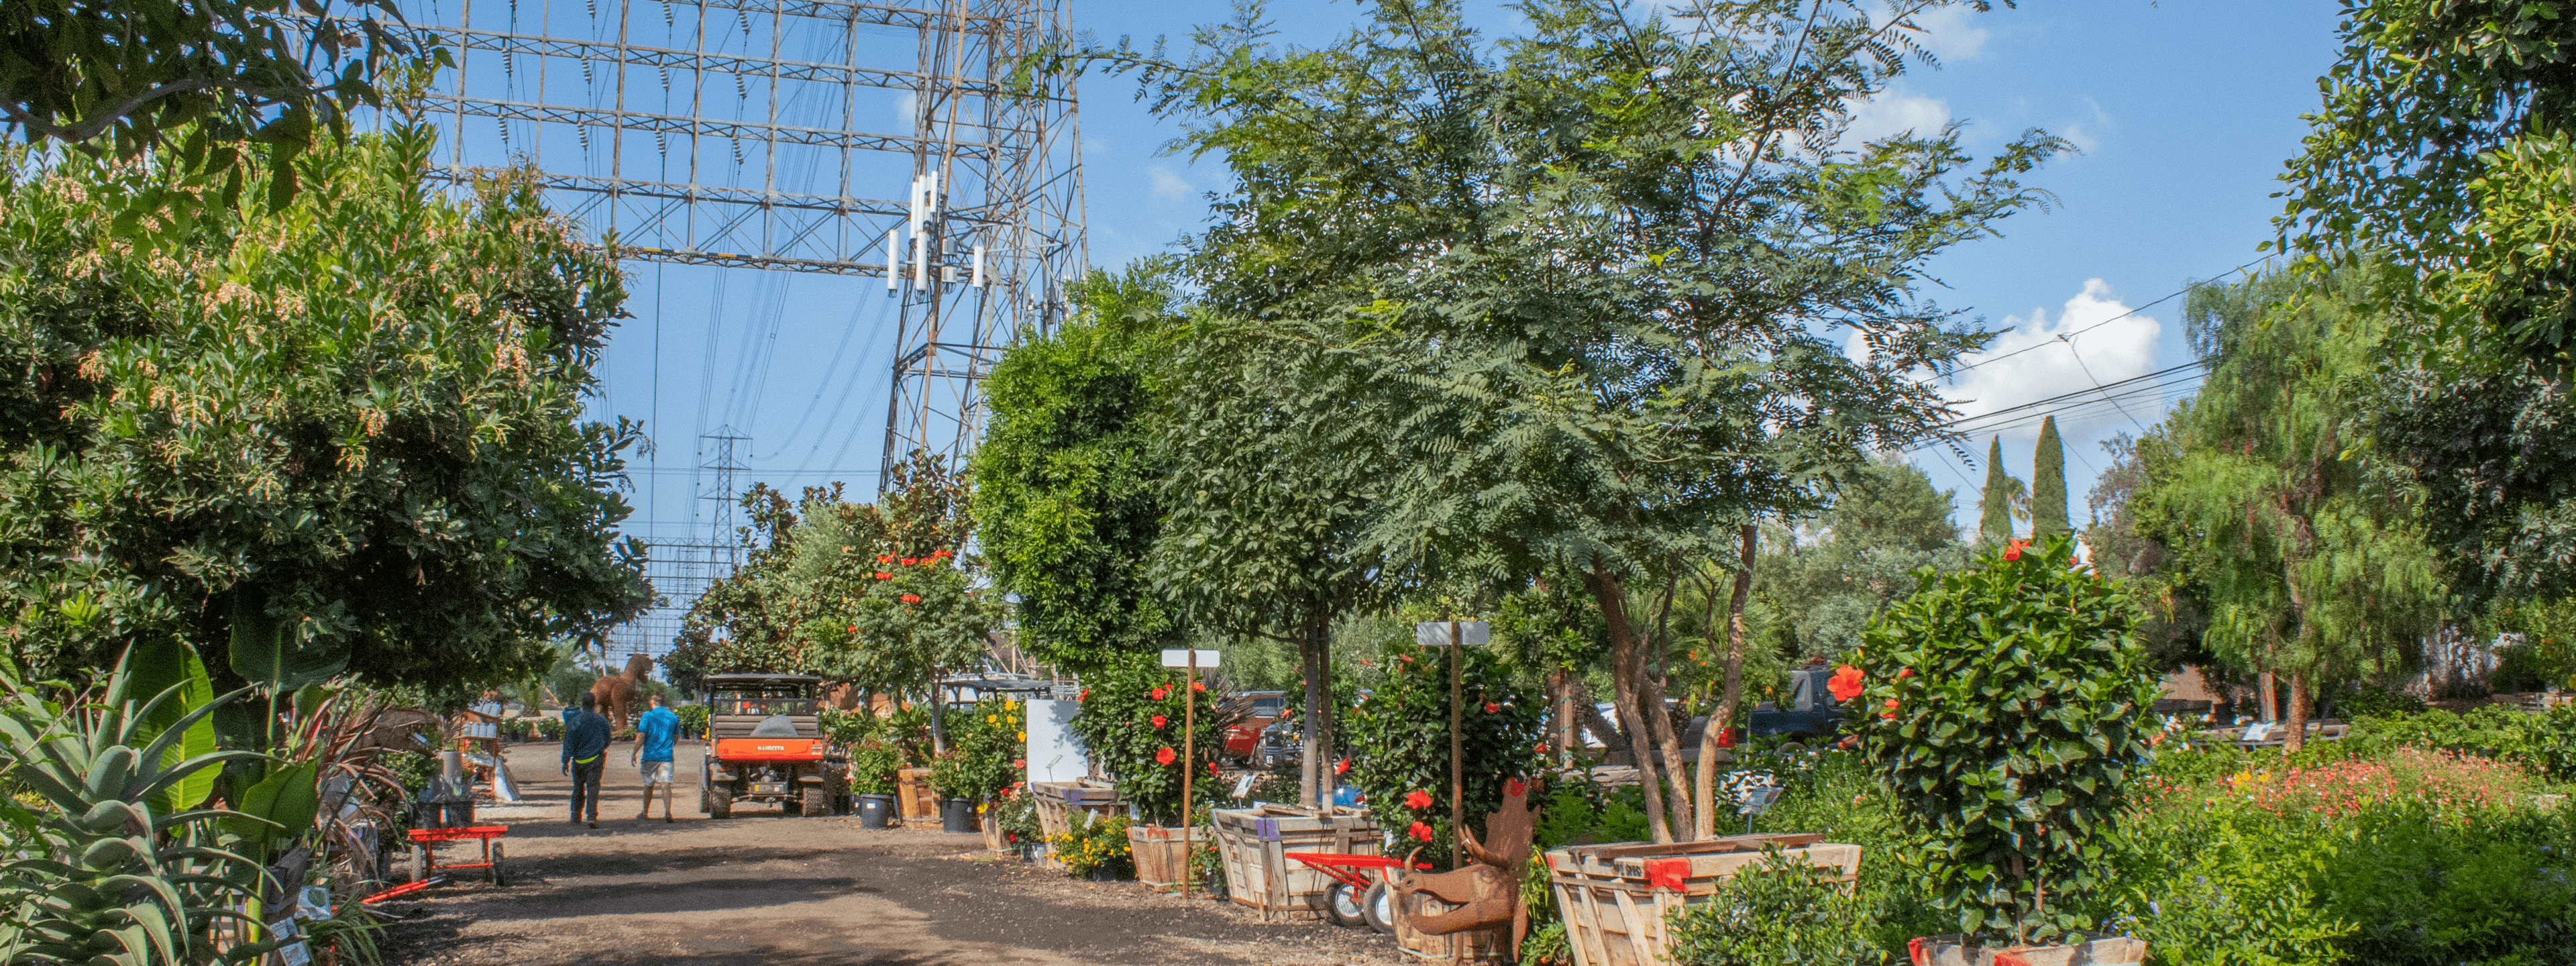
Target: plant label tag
(1180,657)
(1243,786)
(2254,732)
(313,903)
(1436,633)
(294,953)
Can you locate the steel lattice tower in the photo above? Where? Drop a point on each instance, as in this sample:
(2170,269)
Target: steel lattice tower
(933,143)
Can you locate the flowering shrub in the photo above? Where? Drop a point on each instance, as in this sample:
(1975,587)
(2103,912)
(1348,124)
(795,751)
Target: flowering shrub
(2013,702)
(1095,847)
(987,745)
(2443,783)
(1399,740)
(1133,724)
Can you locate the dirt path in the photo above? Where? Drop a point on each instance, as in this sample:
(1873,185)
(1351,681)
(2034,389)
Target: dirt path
(762,888)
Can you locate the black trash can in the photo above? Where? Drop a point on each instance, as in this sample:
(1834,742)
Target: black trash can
(956,815)
(875,810)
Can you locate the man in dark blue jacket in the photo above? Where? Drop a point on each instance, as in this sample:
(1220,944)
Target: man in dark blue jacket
(585,753)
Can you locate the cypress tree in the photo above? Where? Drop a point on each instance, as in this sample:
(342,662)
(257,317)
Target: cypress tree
(1995,523)
(2048,482)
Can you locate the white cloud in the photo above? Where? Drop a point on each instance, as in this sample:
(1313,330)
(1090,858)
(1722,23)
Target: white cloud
(1167,184)
(1951,33)
(2087,134)
(2031,362)
(1894,112)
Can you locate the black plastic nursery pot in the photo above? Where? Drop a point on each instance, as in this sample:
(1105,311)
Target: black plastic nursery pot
(956,815)
(875,810)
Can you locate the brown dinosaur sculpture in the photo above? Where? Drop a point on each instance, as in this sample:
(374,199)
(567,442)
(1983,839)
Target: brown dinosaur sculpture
(1487,893)
(621,695)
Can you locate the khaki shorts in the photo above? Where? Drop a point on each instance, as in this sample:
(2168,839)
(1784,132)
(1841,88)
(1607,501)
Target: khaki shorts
(656,772)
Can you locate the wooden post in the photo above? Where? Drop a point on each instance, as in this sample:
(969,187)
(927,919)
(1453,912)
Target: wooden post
(1189,763)
(1457,779)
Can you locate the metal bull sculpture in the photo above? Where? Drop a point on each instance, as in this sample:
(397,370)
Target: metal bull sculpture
(1488,892)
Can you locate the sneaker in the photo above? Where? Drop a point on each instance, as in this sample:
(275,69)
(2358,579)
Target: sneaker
(594,823)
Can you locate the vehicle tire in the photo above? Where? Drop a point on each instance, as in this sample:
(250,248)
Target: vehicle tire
(1789,748)
(419,861)
(1378,908)
(719,803)
(499,879)
(1342,906)
(818,801)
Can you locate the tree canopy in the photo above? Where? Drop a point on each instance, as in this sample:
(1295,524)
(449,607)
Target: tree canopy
(356,421)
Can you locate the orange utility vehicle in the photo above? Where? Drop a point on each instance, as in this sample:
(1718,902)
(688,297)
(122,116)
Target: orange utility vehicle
(765,743)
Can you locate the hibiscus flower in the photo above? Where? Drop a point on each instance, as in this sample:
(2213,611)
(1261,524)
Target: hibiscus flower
(1417,800)
(1491,707)
(888,558)
(1341,766)
(1160,693)
(2012,551)
(910,598)
(1891,709)
(1165,756)
(1158,720)
(1420,832)
(1845,684)
(909,561)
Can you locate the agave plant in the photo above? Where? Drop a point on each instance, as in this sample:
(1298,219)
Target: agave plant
(116,865)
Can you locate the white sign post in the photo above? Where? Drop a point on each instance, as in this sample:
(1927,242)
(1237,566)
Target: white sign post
(1193,660)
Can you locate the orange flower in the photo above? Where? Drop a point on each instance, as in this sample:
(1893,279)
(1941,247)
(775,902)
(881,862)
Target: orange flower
(909,561)
(1420,832)
(882,575)
(1199,686)
(911,598)
(1891,709)
(1160,693)
(888,558)
(1158,720)
(1845,684)
(2012,551)
(1165,756)
(1417,800)
(1341,766)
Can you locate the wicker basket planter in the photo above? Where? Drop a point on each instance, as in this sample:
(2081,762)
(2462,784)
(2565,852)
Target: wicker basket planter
(1161,855)
(1615,897)
(1253,844)
(2094,951)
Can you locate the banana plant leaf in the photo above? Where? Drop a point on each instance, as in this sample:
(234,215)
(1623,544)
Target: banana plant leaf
(266,650)
(159,667)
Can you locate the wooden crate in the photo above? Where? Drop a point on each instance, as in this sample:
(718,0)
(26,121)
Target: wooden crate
(2094,951)
(1615,897)
(1471,946)
(1253,843)
(1056,801)
(914,802)
(1162,858)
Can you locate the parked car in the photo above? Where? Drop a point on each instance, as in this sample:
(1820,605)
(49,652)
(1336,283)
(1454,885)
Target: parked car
(1810,716)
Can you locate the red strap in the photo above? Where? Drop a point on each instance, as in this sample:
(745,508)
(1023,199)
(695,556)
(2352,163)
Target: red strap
(1915,953)
(1667,873)
(2010,959)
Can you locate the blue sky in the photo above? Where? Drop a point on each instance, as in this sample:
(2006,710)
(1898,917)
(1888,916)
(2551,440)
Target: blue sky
(2185,110)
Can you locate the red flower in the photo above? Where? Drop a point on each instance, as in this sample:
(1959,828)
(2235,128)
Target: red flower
(2012,551)
(911,598)
(1165,756)
(1212,768)
(1845,683)
(1417,800)
(1158,721)
(1420,832)
(1020,763)
(854,628)
(1491,707)
(940,555)
(1199,686)
(888,558)
(1904,673)
(1341,766)
(1891,709)
(909,561)
(1084,696)
(1159,693)
(882,575)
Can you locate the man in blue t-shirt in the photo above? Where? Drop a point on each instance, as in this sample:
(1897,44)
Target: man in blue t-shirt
(585,752)
(654,733)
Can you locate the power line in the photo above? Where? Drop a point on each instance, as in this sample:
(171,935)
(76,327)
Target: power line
(2070,335)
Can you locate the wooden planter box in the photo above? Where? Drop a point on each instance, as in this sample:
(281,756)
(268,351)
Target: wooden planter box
(1615,897)
(1001,849)
(914,802)
(1057,801)
(1253,843)
(1161,857)
(1471,946)
(2095,951)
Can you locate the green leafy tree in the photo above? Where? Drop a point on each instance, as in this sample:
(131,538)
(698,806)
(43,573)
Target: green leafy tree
(120,78)
(350,430)
(1999,504)
(1827,583)
(2048,483)
(2011,704)
(2302,544)
(1135,727)
(1564,303)
(1400,741)
(1067,508)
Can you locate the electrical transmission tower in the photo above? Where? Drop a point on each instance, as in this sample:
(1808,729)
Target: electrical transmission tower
(776,134)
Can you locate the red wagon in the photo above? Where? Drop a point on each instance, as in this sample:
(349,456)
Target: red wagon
(1358,896)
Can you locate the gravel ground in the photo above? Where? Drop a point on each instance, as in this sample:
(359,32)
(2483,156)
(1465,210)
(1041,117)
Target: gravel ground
(765,888)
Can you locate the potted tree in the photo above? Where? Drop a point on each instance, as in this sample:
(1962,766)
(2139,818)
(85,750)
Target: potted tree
(1134,723)
(873,762)
(2005,706)
(985,744)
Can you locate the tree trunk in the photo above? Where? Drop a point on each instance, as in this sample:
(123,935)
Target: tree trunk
(1732,697)
(1560,693)
(2298,736)
(1627,669)
(1315,775)
(2271,705)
